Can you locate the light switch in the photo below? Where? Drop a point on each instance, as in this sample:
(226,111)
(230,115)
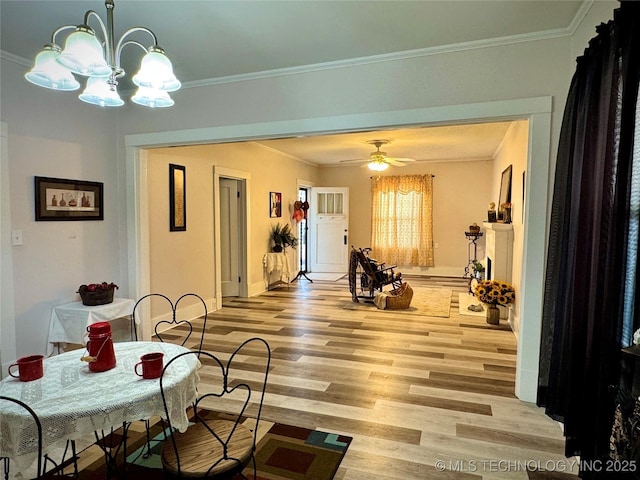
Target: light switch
(16,237)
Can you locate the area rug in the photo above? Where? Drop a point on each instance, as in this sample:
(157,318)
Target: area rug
(283,452)
(464,300)
(326,277)
(426,301)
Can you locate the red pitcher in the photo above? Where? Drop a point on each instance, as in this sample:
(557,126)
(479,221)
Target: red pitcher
(100,347)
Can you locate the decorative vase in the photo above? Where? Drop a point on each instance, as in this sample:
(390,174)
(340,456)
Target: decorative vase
(493,314)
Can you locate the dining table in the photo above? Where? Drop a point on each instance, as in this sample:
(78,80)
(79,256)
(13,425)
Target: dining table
(73,401)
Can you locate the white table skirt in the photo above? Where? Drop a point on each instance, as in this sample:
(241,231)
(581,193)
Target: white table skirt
(69,322)
(276,262)
(71,401)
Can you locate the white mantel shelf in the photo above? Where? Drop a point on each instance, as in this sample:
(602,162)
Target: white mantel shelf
(499,254)
(497,226)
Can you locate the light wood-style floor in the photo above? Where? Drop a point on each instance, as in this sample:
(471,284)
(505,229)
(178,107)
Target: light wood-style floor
(422,397)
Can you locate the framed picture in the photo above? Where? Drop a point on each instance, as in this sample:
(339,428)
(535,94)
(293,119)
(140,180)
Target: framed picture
(275,204)
(177,198)
(505,191)
(62,199)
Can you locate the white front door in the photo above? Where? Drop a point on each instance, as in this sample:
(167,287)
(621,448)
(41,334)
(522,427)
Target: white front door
(328,229)
(229,238)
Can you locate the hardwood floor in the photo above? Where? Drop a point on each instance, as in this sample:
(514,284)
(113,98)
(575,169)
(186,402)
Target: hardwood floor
(423,397)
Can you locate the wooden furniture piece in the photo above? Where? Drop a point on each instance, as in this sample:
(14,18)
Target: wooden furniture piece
(373,275)
(221,447)
(69,322)
(71,401)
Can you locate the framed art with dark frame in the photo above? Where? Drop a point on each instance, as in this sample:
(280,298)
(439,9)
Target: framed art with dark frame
(505,191)
(275,204)
(62,199)
(177,198)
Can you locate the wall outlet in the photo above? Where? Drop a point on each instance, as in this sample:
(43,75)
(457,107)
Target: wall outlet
(435,245)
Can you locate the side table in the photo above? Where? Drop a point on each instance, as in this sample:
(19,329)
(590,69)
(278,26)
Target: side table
(69,322)
(277,262)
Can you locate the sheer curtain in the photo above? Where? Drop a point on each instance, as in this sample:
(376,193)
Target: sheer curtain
(402,219)
(591,276)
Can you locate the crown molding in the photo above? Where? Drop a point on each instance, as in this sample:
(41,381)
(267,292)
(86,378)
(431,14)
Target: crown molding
(387,57)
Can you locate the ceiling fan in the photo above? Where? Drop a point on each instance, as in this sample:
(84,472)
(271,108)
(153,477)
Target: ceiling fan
(378,160)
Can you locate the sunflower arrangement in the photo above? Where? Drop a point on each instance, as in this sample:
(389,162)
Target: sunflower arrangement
(495,293)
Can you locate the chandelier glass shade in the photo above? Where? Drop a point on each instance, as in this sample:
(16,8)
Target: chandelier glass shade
(86,55)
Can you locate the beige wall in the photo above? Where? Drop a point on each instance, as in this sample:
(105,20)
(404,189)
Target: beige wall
(514,151)
(184,261)
(460,193)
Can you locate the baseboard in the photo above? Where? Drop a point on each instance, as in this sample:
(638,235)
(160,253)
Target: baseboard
(189,313)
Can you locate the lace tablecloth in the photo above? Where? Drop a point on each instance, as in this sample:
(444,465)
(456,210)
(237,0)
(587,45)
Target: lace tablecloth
(72,401)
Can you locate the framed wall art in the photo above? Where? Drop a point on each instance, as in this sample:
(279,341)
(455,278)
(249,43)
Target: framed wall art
(177,198)
(62,199)
(275,204)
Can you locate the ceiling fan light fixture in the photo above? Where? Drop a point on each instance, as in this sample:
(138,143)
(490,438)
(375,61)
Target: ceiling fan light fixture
(377,165)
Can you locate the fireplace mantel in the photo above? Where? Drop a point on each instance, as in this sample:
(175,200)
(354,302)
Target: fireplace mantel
(499,251)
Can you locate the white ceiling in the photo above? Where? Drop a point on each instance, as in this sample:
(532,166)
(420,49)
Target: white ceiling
(214,41)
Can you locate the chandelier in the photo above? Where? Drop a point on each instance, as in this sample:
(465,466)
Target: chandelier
(87,55)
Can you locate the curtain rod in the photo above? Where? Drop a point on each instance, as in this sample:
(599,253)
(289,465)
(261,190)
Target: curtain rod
(432,176)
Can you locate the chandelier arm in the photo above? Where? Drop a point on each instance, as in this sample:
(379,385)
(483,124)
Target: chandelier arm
(60,29)
(122,45)
(105,35)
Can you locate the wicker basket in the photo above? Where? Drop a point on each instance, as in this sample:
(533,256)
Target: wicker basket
(400,298)
(97,297)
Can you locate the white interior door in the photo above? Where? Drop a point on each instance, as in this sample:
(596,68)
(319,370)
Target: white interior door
(328,229)
(229,238)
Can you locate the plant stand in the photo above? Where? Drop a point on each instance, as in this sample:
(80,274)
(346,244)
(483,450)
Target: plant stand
(472,253)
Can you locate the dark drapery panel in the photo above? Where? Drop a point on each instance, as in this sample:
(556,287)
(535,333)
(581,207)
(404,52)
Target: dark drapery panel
(583,324)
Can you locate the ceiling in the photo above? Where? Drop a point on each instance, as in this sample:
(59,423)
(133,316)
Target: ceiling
(219,41)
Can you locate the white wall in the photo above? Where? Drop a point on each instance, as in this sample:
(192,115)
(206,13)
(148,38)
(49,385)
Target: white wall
(54,135)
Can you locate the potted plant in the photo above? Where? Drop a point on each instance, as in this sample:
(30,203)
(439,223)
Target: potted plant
(478,270)
(282,237)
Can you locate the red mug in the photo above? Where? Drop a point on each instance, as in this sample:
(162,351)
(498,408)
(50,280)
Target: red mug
(152,364)
(29,368)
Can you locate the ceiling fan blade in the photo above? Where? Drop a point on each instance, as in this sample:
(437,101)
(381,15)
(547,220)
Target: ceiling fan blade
(353,162)
(398,162)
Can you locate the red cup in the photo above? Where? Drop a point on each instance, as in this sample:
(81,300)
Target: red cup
(152,364)
(29,368)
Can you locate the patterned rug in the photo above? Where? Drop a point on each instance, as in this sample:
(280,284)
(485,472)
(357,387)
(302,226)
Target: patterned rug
(283,452)
(426,301)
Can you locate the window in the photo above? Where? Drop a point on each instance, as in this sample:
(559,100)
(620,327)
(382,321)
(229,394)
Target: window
(402,219)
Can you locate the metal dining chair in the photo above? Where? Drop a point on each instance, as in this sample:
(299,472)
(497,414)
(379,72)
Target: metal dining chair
(222,441)
(179,331)
(26,437)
